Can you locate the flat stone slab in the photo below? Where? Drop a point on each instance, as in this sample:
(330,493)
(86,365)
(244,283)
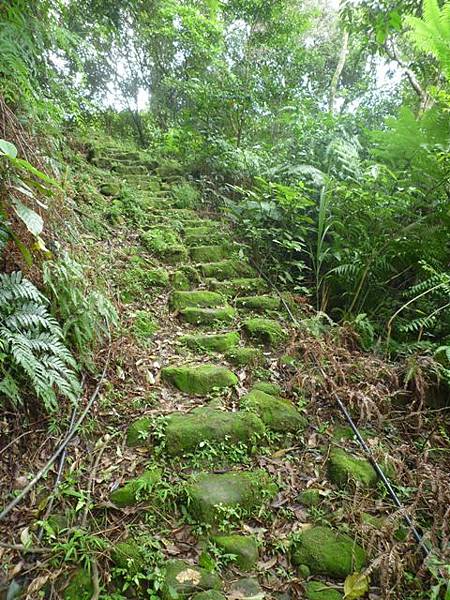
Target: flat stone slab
(327,552)
(278,414)
(266,331)
(226,269)
(208,316)
(258,303)
(183,579)
(205,254)
(185,432)
(219,342)
(201,380)
(237,285)
(344,469)
(245,491)
(197,298)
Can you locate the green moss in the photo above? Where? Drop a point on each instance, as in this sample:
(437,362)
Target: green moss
(165,244)
(208,316)
(226,269)
(184,433)
(180,281)
(210,494)
(245,356)
(136,489)
(80,586)
(209,595)
(220,342)
(278,414)
(343,468)
(258,303)
(137,432)
(318,590)
(198,236)
(327,552)
(133,281)
(265,330)
(199,380)
(183,579)
(144,327)
(244,548)
(205,254)
(110,189)
(236,286)
(128,556)
(184,195)
(309,497)
(268,388)
(197,298)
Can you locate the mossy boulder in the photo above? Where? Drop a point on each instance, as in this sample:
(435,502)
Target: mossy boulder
(265,331)
(238,285)
(268,388)
(344,469)
(245,491)
(219,342)
(226,269)
(183,579)
(80,586)
(205,254)
(184,433)
(110,189)
(129,556)
(258,303)
(208,316)
(243,547)
(205,234)
(158,277)
(201,380)
(209,595)
(327,552)
(137,432)
(244,356)
(278,414)
(137,489)
(310,497)
(318,590)
(196,298)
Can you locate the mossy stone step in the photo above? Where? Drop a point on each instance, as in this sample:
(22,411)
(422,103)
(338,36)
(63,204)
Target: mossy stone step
(327,552)
(244,356)
(192,225)
(199,380)
(319,590)
(219,342)
(136,489)
(208,316)
(206,254)
(237,285)
(344,469)
(209,595)
(165,244)
(278,414)
(137,432)
(244,491)
(269,388)
(243,547)
(185,432)
(226,269)
(182,579)
(258,303)
(199,236)
(129,556)
(198,298)
(81,586)
(266,331)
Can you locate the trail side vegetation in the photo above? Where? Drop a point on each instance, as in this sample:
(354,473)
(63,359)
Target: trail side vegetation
(217,217)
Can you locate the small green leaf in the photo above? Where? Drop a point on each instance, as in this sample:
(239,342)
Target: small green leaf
(33,221)
(355,586)
(7,149)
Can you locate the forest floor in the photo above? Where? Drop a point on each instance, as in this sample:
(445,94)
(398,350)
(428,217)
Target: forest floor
(215,458)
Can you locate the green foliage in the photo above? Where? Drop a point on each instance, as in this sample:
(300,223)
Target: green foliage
(33,356)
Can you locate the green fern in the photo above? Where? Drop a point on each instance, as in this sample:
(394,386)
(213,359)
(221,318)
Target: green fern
(32,353)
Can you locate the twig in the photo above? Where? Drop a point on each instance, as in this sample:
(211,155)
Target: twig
(95,580)
(22,548)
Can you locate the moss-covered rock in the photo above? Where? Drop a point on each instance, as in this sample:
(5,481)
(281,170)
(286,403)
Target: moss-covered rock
(80,586)
(238,490)
(185,432)
(201,380)
(246,588)
(180,281)
(310,497)
(208,316)
(205,234)
(137,489)
(258,303)
(129,556)
(318,590)
(110,189)
(327,552)
(278,414)
(242,357)
(165,244)
(183,579)
(266,331)
(209,595)
(236,286)
(219,342)
(268,388)
(226,269)
(343,468)
(196,298)
(137,432)
(205,254)
(243,547)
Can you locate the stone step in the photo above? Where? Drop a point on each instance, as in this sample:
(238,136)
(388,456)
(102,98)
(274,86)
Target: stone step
(244,548)
(199,380)
(245,356)
(226,269)
(278,414)
(266,331)
(206,254)
(136,489)
(165,244)
(184,580)
(199,236)
(261,303)
(185,432)
(198,298)
(344,469)
(218,342)
(246,492)
(236,286)
(208,316)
